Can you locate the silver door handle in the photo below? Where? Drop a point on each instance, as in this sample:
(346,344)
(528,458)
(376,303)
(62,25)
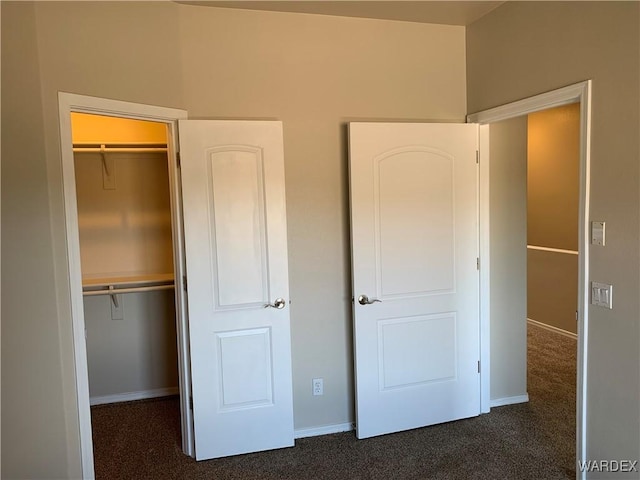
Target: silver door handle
(279,304)
(364,300)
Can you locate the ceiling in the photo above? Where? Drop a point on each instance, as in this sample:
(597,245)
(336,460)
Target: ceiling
(442,12)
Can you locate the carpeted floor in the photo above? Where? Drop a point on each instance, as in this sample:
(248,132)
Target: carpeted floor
(536,440)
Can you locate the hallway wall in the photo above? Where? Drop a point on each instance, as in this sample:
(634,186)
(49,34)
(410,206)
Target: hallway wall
(553,174)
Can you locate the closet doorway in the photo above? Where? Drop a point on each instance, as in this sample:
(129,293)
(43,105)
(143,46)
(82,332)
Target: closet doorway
(127,258)
(126,251)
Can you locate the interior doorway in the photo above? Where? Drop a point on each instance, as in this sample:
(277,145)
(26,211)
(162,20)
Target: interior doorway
(70,104)
(239,157)
(581,94)
(553,198)
(126,249)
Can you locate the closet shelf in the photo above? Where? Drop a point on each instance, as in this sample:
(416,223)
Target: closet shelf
(126,284)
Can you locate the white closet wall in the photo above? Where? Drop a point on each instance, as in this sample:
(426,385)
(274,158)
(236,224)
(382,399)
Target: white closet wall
(125,231)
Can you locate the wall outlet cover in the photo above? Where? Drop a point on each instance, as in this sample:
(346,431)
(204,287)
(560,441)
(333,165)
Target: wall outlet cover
(318,386)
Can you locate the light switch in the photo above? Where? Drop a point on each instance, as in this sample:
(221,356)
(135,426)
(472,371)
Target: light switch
(602,295)
(597,233)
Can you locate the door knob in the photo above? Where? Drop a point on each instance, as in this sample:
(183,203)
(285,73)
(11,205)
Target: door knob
(279,304)
(364,300)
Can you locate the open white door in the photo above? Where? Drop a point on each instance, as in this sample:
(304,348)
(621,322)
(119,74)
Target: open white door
(237,285)
(414,221)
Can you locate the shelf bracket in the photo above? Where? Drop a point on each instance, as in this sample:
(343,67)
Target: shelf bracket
(103,154)
(114,296)
(108,170)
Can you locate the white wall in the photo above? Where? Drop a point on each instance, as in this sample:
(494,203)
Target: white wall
(508,230)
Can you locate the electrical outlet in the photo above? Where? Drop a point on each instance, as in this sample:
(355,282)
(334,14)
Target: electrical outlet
(318,386)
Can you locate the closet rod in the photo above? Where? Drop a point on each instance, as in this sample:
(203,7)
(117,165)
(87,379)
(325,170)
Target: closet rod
(119,147)
(116,291)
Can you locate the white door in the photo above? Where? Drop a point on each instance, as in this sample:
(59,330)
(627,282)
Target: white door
(414,220)
(237,285)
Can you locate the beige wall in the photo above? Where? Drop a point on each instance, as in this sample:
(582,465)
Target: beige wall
(127,231)
(314,73)
(553,174)
(508,282)
(136,354)
(552,289)
(34,441)
(525,48)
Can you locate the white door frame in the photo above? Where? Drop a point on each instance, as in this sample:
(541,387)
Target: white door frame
(68,103)
(577,93)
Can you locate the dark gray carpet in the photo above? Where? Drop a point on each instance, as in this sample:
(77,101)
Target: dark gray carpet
(141,440)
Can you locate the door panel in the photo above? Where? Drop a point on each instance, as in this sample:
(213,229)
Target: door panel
(245,368)
(414,249)
(426,341)
(236,255)
(238,219)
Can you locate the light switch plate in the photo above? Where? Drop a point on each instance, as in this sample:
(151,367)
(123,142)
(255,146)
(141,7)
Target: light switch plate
(597,233)
(602,295)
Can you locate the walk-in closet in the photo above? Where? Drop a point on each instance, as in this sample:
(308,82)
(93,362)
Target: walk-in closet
(126,249)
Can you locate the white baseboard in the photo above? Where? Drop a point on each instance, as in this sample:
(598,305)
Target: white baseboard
(553,329)
(324,430)
(130,396)
(500,402)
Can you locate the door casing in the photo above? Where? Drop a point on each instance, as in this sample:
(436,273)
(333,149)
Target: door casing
(68,103)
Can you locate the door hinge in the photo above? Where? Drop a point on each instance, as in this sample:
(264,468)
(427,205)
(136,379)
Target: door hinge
(178,159)
(190,403)
(478,366)
(478,263)
(478,156)
(184,282)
